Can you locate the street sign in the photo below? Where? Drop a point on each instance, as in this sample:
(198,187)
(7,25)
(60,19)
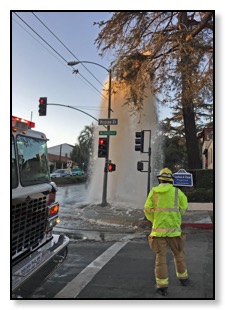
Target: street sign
(69,164)
(107,133)
(183,178)
(108,121)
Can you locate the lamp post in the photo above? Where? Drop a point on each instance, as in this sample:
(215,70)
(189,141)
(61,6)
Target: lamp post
(105,180)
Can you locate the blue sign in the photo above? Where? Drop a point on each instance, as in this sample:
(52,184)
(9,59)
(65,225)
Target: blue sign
(183,178)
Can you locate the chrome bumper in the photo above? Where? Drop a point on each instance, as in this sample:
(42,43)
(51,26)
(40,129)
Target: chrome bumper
(35,261)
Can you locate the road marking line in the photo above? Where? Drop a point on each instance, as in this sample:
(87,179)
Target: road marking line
(72,289)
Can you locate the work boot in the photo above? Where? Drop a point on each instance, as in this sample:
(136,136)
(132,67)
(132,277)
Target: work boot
(162,291)
(184,282)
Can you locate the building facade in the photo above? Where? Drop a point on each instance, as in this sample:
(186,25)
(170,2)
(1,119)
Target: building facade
(207,147)
(59,157)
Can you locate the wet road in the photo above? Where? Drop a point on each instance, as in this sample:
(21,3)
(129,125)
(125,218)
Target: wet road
(71,196)
(108,263)
(125,270)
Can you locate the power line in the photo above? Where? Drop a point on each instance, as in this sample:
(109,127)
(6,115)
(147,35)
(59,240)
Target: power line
(90,108)
(56,51)
(66,47)
(41,43)
(39,36)
(71,70)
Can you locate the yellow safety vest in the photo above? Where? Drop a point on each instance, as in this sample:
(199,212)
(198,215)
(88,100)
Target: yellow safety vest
(164,208)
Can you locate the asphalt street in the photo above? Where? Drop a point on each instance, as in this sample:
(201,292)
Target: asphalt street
(124,269)
(109,256)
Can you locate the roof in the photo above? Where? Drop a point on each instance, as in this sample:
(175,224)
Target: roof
(203,132)
(53,157)
(58,145)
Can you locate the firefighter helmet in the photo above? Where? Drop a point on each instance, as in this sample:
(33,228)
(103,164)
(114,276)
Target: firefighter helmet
(165,175)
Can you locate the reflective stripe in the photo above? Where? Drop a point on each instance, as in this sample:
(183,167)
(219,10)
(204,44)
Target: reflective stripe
(175,209)
(166,229)
(176,198)
(162,210)
(161,282)
(155,198)
(183,275)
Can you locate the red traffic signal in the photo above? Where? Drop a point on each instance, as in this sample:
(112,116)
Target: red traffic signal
(111,167)
(43,100)
(102,147)
(42,106)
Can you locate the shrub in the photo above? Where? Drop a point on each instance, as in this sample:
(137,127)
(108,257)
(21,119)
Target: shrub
(69,180)
(203,178)
(200,195)
(203,186)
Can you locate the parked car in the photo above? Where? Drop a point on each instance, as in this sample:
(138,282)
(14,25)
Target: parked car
(76,172)
(59,173)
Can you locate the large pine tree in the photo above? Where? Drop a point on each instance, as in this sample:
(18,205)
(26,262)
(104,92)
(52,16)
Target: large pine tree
(173,50)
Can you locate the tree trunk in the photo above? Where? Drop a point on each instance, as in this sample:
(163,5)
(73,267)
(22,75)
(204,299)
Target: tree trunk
(187,65)
(194,161)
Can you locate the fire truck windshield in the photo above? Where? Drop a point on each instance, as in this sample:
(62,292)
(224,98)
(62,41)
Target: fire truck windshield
(31,161)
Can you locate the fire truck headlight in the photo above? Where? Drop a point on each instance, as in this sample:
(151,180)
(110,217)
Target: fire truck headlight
(52,222)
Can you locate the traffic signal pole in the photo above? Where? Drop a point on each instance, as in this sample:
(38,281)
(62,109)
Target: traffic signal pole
(105,178)
(149,163)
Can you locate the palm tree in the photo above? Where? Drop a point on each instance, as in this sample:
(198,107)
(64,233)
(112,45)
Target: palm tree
(85,138)
(82,151)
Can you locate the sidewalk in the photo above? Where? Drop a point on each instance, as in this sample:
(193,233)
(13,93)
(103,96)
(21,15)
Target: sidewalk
(199,215)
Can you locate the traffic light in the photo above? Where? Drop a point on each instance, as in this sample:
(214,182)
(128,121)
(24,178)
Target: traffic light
(42,106)
(111,167)
(139,141)
(102,147)
(140,166)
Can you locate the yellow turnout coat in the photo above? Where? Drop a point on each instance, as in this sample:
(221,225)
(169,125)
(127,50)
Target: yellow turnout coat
(164,208)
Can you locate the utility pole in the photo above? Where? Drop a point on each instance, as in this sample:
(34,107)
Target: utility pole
(105,178)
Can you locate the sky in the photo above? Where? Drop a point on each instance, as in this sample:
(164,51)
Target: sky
(42,44)
(39,71)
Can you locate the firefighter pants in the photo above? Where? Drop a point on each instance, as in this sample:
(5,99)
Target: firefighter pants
(160,245)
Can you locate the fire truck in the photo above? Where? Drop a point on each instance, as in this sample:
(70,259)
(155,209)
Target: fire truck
(34,209)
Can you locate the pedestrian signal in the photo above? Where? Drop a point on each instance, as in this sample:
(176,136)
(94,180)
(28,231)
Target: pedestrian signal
(111,167)
(102,147)
(140,166)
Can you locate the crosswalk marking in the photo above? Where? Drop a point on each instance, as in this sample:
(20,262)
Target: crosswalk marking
(73,288)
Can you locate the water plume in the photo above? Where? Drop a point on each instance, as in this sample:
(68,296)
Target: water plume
(126,186)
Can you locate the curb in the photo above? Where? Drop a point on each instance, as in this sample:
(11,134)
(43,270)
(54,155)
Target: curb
(198,225)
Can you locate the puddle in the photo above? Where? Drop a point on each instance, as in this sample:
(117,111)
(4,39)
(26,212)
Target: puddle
(93,235)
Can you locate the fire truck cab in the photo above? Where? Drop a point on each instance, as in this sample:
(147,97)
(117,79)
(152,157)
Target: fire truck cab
(34,209)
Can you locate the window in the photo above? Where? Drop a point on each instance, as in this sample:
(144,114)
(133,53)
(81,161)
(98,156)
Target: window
(32,160)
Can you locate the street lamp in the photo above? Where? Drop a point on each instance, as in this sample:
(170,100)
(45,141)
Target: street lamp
(104,192)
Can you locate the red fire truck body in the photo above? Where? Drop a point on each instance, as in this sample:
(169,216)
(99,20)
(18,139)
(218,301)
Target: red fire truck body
(34,209)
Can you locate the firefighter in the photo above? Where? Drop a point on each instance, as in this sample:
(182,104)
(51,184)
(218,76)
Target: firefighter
(164,207)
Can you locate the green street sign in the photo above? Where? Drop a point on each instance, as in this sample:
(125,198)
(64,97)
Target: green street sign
(107,133)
